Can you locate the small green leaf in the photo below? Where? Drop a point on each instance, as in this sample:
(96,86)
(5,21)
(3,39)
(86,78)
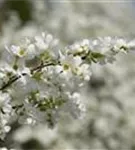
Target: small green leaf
(45,56)
(37,76)
(50,103)
(124,48)
(97,55)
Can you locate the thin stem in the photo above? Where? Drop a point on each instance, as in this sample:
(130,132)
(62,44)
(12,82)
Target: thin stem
(15,78)
(42,66)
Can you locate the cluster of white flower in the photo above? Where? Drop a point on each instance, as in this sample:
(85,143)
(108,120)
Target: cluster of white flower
(5,108)
(39,81)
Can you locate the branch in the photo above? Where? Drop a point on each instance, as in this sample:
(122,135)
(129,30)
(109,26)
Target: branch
(15,78)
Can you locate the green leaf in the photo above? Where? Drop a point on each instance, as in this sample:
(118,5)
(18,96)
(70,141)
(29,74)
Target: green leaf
(50,103)
(45,56)
(97,55)
(37,76)
(124,48)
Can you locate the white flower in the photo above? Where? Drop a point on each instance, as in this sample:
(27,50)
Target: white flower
(85,42)
(84,71)
(5,113)
(75,106)
(48,37)
(70,62)
(39,42)
(79,47)
(5,102)
(120,43)
(16,50)
(131,45)
(31,51)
